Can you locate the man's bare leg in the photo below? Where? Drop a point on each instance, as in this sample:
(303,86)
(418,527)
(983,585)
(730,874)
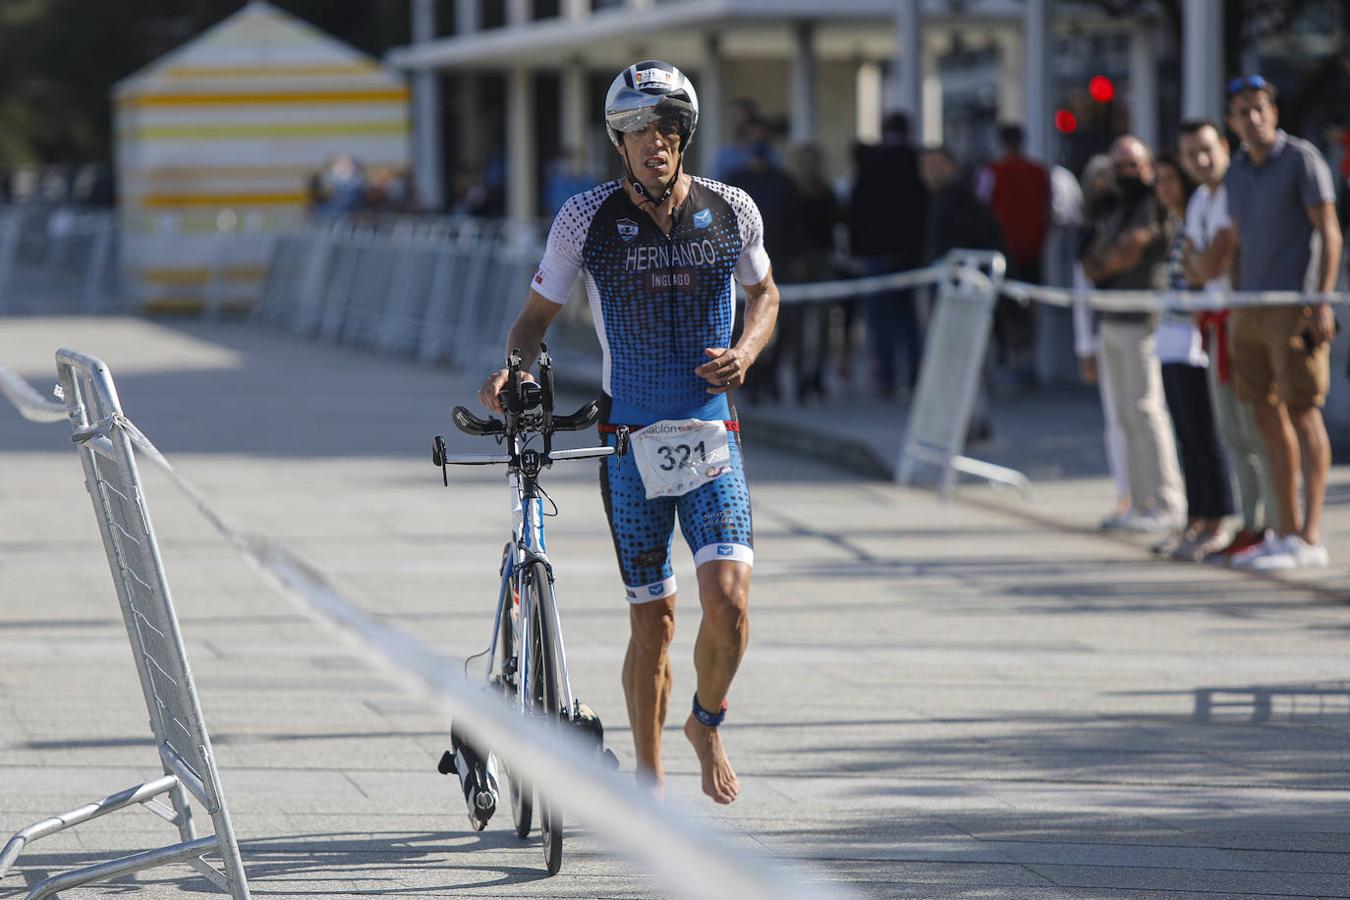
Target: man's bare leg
(646,684)
(724,592)
(1315,452)
(1282,445)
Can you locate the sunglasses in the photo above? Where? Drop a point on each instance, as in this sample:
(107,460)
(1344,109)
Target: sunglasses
(1248,83)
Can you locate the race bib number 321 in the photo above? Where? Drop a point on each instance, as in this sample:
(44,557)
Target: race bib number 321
(675,456)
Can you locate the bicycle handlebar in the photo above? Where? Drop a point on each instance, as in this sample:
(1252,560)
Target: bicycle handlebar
(529,410)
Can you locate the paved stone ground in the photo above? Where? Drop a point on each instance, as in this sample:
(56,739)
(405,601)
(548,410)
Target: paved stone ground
(942,699)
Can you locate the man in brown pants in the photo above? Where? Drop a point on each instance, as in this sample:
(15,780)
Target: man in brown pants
(1282,204)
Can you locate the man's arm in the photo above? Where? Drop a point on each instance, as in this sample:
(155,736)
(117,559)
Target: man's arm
(1205,265)
(526,333)
(1324,222)
(726,366)
(1120,256)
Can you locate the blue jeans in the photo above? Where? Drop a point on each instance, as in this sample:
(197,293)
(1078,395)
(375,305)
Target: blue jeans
(891,321)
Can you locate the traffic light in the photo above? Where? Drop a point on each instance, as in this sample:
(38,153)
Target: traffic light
(1101,89)
(1065,121)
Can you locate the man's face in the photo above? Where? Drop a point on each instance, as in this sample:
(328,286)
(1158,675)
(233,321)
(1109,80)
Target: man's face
(654,152)
(1254,118)
(1205,155)
(935,169)
(1130,159)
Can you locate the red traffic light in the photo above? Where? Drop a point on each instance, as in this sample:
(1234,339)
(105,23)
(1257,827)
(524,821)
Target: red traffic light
(1065,121)
(1101,89)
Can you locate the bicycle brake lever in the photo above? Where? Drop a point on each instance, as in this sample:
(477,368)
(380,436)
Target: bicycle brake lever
(438,457)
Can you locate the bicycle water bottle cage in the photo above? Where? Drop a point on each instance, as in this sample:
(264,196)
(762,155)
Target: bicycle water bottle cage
(468,423)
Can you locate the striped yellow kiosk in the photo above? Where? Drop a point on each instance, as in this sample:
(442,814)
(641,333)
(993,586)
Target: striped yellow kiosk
(217,142)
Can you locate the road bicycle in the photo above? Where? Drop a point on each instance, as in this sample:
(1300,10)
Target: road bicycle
(526,659)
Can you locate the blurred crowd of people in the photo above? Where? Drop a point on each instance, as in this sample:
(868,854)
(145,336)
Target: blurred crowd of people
(345,186)
(1215,416)
(904,207)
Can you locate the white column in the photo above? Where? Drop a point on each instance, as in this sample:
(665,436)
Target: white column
(518,12)
(870,92)
(1202,60)
(1037,44)
(802,86)
(1144,85)
(906,72)
(930,125)
(466,17)
(572,109)
(1011,87)
(709,87)
(466,90)
(521,202)
(427,153)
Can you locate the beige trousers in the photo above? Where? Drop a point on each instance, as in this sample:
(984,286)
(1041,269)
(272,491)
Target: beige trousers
(1135,379)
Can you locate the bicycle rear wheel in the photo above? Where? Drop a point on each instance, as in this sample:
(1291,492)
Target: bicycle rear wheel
(546,692)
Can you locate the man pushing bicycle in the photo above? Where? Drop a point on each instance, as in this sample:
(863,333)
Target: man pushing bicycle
(659,249)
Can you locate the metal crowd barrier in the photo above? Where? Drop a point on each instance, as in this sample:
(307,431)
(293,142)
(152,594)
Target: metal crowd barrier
(437,294)
(104,438)
(949,376)
(58,259)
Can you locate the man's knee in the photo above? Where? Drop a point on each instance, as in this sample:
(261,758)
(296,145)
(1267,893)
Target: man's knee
(726,597)
(653,624)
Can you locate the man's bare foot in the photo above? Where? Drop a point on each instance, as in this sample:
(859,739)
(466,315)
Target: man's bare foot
(649,782)
(719,781)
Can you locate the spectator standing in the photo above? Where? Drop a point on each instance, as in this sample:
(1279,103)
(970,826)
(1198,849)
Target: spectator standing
(1282,204)
(1204,467)
(1100,197)
(566,176)
(1017,188)
(747,129)
(957,219)
(887,212)
(779,202)
(1208,253)
(820,214)
(1128,254)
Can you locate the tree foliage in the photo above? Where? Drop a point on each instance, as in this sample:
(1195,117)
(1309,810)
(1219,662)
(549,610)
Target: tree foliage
(60,58)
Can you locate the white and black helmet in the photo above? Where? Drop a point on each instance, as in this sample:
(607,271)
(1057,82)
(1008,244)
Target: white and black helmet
(647,91)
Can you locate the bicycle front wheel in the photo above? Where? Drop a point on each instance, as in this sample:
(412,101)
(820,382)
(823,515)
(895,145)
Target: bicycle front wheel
(508,655)
(546,695)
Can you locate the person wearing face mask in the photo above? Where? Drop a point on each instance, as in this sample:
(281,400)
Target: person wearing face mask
(1129,253)
(1099,199)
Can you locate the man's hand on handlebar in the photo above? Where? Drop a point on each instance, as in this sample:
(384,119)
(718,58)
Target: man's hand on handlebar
(489,393)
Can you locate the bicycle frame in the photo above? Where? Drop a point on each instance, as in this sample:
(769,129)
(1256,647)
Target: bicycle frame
(527,547)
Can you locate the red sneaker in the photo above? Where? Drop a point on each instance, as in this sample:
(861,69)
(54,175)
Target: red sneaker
(1241,541)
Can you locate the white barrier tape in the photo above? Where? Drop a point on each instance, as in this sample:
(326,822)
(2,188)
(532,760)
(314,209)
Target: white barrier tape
(1099,300)
(30,404)
(846,289)
(692,859)
(1157,301)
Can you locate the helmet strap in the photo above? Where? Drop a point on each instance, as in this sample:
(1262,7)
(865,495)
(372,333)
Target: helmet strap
(644,195)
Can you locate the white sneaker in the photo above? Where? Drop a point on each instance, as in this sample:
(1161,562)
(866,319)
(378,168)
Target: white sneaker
(1150,523)
(1294,553)
(1116,521)
(1243,558)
